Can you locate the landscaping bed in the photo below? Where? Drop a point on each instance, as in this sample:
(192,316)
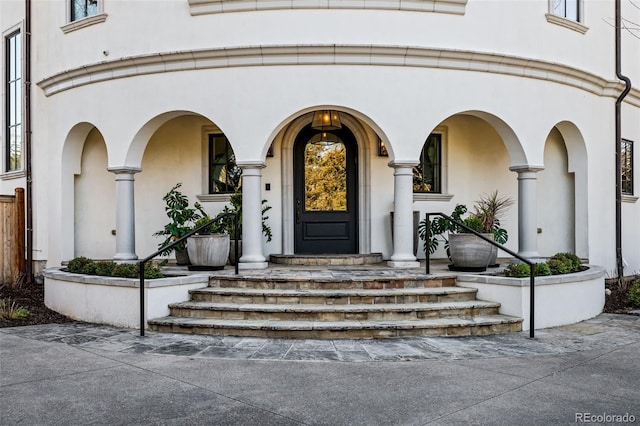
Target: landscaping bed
(618,301)
(31,298)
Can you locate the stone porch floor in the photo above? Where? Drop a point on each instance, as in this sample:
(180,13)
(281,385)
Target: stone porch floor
(437,268)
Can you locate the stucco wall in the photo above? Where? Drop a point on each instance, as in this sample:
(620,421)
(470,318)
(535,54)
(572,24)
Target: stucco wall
(400,73)
(556,200)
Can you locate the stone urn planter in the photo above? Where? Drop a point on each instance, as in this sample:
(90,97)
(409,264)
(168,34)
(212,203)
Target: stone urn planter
(208,252)
(470,253)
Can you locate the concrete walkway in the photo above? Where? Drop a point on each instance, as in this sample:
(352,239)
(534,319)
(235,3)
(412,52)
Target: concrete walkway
(79,374)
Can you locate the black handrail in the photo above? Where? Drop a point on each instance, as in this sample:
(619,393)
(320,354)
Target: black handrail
(142,263)
(532,265)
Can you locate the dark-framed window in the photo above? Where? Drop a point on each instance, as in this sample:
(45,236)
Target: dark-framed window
(224,174)
(626,166)
(83,9)
(569,9)
(427,175)
(13,107)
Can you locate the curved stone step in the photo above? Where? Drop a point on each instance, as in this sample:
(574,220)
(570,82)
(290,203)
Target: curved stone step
(481,325)
(333,297)
(310,312)
(330,281)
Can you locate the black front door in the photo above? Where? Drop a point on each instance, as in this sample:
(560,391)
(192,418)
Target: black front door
(325,192)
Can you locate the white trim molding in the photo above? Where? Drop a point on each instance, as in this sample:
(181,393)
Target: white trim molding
(567,23)
(426,196)
(206,7)
(84,22)
(331,54)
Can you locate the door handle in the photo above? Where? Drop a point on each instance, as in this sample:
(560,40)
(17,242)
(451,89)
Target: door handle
(298,212)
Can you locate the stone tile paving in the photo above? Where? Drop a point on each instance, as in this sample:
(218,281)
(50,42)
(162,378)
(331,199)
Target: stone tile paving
(603,332)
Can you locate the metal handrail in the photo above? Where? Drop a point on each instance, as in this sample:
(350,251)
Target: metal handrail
(142,263)
(532,265)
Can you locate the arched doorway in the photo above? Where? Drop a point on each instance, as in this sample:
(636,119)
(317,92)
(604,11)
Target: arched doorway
(325,192)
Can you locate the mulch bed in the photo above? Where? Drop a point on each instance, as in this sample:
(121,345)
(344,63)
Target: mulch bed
(618,302)
(30,297)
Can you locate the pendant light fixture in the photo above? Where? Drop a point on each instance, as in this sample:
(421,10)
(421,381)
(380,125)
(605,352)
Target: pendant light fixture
(324,120)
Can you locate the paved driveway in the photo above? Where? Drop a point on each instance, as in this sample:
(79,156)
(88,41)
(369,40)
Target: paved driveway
(80,374)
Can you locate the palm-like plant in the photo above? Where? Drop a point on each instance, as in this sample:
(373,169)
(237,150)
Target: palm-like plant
(489,209)
(486,219)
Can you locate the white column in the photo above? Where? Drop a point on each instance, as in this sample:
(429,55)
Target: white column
(252,256)
(402,256)
(527,211)
(125,214)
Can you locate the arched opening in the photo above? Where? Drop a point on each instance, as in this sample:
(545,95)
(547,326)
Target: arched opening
(466,157)
(188,149)
(325,191)
(94,192)
(365,140)
(563,185)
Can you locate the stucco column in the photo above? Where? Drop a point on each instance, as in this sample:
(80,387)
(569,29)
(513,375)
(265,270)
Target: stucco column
(402,256)
(527,211)
(252,256)
(125,214)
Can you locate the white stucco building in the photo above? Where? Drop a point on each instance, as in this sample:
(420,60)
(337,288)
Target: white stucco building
(130,97)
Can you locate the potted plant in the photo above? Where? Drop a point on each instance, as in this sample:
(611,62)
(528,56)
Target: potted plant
(465,250)
(182,219)
(228,225)
(208,248)
(490,209)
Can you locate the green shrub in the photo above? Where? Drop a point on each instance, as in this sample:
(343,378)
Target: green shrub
(634,293)
(83,265)
(559,267)
(125,270)
(104,269)
(542,269)
(517,270)
(570,263)
(522,270)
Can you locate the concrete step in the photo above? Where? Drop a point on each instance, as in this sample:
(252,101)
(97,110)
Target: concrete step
(310,312)
(451,326)
(333,297)
(299,281)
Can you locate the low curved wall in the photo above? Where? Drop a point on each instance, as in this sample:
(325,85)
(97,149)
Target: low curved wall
(559,299)
(115,301)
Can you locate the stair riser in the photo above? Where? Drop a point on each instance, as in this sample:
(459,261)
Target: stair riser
(327,261)
(332,316)
(475,330)
(330,300)
(331,285)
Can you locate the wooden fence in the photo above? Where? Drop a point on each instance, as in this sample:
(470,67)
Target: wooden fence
(12,234)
